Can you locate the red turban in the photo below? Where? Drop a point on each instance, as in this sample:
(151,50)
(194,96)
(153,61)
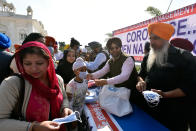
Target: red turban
(182,43)
(50,41)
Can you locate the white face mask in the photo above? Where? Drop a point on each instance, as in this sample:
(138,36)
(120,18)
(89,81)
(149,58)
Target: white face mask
(83,75)
(152,98)
(75,116)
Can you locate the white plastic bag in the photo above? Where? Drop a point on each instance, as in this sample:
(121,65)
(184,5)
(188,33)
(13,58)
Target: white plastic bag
(115,100)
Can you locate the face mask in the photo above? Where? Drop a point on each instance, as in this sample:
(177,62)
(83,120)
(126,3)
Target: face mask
(152,98)
(75,116)
(83,75)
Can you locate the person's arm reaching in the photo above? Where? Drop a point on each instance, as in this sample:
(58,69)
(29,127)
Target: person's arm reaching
(101,58)
(187,83)
(170,94)
(126,70)
(102,72)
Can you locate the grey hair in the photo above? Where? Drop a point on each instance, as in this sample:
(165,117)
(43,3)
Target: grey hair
(158,57)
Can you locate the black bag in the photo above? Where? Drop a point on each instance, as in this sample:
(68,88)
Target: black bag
(17,111)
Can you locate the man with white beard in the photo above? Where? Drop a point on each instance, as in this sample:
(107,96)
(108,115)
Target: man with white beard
(170,72)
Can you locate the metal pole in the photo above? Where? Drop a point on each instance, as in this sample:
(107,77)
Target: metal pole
(169,5)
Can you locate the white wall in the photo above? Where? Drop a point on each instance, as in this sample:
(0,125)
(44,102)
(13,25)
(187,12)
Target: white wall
(14,26)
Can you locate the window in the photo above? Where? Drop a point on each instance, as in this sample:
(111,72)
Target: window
(22,36)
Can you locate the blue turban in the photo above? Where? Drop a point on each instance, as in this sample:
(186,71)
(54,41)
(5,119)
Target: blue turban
(5,41)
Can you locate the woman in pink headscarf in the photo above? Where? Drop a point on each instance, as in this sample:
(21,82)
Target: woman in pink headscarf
(44,96)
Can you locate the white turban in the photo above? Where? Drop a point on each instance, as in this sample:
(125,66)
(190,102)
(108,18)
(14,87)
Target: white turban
(84,50)
(78,63)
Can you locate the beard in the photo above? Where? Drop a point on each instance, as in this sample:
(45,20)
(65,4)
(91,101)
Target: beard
(157,57)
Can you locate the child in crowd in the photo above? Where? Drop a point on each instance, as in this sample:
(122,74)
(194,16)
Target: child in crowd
(64,68)
(77,88)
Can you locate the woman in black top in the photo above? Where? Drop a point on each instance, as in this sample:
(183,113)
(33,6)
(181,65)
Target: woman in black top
(64,68)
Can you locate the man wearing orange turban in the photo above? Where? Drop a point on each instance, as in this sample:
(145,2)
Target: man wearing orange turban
(170,72)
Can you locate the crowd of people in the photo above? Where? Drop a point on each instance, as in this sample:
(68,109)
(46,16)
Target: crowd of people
(40,83)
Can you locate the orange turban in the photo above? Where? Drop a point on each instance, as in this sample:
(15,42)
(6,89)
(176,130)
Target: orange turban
(163,30)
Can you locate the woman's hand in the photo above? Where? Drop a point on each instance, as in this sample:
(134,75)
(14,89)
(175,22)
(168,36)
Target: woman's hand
(101,82)
(46,126)
(66,112)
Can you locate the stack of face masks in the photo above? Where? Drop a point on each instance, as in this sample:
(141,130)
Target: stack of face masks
(75,116)
(152,98)
(92,97)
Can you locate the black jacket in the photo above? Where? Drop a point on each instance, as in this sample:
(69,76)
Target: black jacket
(5,60)
(178,72)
